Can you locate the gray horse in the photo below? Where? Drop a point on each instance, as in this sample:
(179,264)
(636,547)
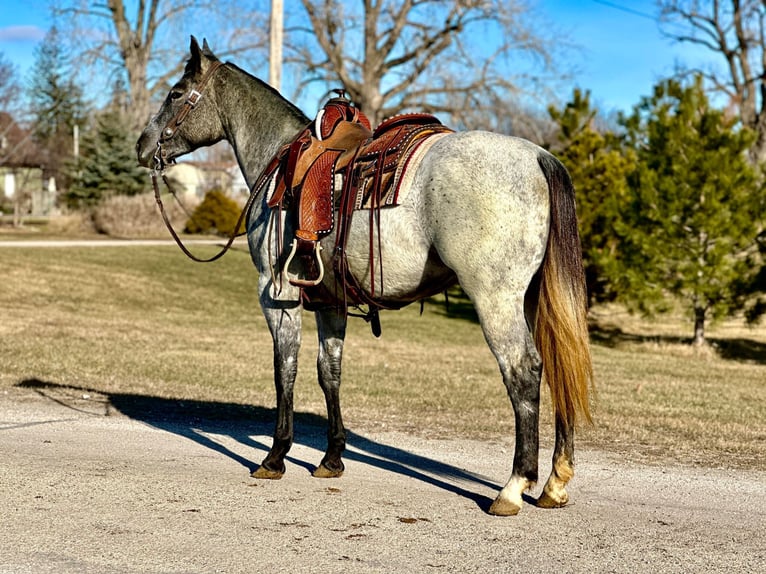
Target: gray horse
(493,213)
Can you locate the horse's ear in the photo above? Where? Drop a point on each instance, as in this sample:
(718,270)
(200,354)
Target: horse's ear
(207,52)
(195,61)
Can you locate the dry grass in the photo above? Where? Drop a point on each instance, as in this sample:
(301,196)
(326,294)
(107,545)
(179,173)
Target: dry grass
(146,321)
(71,226)
(118,216)
(660,398)
(137,216)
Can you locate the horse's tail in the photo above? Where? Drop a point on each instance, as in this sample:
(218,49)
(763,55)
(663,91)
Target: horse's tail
(561,327)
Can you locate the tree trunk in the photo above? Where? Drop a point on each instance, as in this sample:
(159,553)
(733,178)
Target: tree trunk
(757,152)
(17,211)
(699,327)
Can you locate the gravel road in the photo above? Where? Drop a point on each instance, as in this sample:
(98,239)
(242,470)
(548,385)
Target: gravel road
(90,485)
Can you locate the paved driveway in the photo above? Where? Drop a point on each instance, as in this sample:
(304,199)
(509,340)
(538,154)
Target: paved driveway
(93,484)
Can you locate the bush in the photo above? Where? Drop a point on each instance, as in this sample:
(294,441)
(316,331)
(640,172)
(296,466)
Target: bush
(217,214)
(74,223)
(135,216)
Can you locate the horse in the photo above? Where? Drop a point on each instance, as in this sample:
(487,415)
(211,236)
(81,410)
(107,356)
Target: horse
(492,213)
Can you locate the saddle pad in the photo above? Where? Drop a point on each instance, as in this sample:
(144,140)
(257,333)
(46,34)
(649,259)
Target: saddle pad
(384,186)
(405,172)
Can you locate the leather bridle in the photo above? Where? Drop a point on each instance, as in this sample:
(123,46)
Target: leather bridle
(161,162)
(170,129)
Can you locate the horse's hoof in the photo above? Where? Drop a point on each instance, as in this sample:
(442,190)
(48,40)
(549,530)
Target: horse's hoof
(265,473)
(504,507)
(548,501)
(323,472)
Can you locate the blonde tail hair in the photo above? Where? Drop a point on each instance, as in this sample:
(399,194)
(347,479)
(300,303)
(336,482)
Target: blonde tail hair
(561,327)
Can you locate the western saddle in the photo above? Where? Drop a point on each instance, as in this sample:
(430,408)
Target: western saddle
(338,164)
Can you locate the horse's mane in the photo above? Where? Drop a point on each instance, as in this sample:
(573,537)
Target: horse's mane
(296,111)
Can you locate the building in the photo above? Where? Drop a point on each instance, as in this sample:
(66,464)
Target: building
(25,187)
(192,179)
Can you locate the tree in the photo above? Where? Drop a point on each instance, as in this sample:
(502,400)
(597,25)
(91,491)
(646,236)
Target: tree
(56,104)
(599,168)
(133,46)
(695,210)
(9,85)
(733,30)
(107,164)
(436,56)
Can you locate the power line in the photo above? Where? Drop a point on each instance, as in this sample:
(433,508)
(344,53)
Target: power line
(626,9)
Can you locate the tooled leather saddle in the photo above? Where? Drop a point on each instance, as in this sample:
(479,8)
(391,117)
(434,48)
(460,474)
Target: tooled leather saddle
(339,165)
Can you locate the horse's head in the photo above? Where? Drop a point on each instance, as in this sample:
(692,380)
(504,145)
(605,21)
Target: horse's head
(188,118)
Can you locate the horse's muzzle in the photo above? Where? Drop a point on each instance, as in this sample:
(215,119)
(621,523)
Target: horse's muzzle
(145,150)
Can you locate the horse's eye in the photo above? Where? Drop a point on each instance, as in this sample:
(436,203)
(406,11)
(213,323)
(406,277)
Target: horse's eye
(175,94)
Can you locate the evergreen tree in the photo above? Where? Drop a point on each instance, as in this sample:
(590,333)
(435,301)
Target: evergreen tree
(695,210)
(599,171)
(107,164)
(56,104)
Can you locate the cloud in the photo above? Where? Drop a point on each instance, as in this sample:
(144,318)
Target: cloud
(21,34)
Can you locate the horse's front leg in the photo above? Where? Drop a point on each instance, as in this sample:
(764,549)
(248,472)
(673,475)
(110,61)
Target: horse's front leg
(284,320)
(331,327)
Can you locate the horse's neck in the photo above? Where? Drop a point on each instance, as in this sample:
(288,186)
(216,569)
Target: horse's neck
(258,121)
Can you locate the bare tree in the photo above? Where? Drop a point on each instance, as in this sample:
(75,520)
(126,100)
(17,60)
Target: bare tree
(735,31)
(9,85)
(514,116)
(146,41)
(428,55)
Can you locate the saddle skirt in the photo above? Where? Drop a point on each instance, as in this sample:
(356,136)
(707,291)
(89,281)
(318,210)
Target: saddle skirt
(382,161)
(337,165)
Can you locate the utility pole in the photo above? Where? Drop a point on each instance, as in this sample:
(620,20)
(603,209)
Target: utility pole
(275,44)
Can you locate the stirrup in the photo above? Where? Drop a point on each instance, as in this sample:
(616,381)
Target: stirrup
(317,256)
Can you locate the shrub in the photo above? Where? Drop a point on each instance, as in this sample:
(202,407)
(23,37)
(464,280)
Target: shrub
(135,216)
(74,223)
(217,214)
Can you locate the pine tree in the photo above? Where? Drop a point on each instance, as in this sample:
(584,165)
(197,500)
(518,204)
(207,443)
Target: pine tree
(695,210)
(599,169)
(56,104)
(107,164)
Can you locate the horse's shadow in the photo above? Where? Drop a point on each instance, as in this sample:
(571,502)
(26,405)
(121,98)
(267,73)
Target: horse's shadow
(197,420)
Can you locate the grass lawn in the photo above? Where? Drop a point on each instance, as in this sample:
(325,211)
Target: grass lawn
(147,321)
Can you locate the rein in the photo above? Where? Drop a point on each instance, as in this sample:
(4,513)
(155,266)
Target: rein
(169,225)
(284,156)
(160,162)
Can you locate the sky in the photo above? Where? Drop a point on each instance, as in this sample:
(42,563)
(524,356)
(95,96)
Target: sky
(620,55)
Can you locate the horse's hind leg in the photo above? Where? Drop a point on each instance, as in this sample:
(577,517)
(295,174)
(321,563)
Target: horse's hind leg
(285,326)
(509,338)
(554,493)
(331,326)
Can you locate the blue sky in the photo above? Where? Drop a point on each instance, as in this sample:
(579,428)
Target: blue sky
(621,52)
